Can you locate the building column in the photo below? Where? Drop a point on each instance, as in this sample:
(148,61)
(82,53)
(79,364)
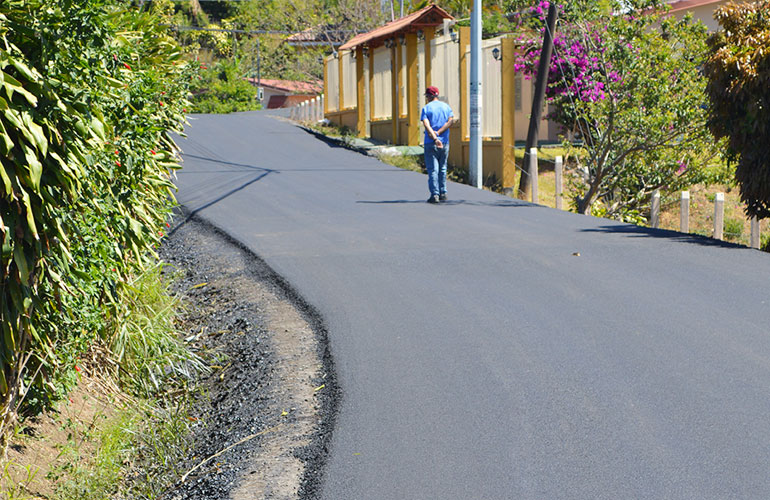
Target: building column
(394,90)
(360,95)
(465,40)
(412,101)
(326,87)
(508,92)
(371,86)
(340,84)
(429,34)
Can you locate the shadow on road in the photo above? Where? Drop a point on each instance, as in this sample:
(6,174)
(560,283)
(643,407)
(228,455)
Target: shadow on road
(646,232)
(503,204)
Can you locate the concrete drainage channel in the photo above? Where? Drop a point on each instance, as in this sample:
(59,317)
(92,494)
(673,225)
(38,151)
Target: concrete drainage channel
(263,428)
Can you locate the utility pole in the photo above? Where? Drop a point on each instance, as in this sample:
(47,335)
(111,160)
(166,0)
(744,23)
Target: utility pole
(541,82)
(476,153)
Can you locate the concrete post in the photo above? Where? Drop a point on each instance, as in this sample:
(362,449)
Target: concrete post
(559,170)
(655,210)
(755,236)
(719,216)
(684,212)
(533,172)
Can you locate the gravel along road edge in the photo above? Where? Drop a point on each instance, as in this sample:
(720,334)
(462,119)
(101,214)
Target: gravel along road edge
(266,422)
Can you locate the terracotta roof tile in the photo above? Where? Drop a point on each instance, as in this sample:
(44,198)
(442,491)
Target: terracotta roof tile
(295,87)
(415,20)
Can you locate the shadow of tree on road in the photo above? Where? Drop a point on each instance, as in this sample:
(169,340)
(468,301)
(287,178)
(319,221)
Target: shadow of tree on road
(647,232)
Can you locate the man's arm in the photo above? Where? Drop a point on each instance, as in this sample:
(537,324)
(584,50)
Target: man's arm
(432,133)
(445,126)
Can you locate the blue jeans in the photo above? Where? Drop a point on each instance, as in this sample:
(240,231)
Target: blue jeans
(435,162)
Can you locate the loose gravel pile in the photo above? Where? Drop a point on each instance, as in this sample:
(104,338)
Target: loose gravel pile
(263,426)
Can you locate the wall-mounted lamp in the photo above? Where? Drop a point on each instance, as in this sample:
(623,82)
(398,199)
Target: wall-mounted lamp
(336,54)
(420,35)
(402,39)
(388,43)
(453,35)
(353,54)
(496,53)
(366,51)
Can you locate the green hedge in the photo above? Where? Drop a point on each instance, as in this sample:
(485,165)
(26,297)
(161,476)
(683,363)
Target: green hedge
(89,92)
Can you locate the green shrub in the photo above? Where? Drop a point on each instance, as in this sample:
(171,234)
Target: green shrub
(733,229)
(90,93)
(222,89)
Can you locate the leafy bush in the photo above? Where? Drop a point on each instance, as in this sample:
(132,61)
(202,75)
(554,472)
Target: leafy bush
(221,89)
(642,130)
(738,69)
(90,92)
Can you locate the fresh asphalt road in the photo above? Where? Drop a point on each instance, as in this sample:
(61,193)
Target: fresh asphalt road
(478,357)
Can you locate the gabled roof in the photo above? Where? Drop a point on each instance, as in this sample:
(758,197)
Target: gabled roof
(680,5)
(427,17)
(291,86)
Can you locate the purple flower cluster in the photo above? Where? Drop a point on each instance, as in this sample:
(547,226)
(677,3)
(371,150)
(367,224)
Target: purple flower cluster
(576,67)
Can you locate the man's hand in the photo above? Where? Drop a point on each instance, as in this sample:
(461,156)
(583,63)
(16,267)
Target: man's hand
(439,144)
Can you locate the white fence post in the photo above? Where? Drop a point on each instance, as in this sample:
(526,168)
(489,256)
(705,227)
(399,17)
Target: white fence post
(719,216)
(655,209)
(533,174)
(755,236)
(559,185)
(684,212)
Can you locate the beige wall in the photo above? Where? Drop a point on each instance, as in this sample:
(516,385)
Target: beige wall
(704,13)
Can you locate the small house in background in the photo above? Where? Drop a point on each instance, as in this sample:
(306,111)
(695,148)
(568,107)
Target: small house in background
(702,10)
(285,93)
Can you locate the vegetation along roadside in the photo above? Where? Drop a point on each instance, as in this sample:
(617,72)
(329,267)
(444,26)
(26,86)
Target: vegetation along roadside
(91,92)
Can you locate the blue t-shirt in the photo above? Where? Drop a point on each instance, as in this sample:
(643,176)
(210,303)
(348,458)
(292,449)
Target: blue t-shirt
(437,113)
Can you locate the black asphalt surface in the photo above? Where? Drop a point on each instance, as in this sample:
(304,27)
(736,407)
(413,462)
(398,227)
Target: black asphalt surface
(477,356)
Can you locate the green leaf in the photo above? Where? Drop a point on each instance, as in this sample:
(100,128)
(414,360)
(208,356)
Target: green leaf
(34,166)
(21,263)
(30,214)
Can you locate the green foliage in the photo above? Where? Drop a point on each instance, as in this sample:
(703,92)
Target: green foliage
(145,342)
(221,89)
(643,120)
(90,92)
(128,455)
(738,69)
(733,229)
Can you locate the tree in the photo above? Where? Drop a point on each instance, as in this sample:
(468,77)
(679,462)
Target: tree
(626,80)
(738,70)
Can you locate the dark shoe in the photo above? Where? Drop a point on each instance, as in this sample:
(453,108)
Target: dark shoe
(433,199)
(442,197)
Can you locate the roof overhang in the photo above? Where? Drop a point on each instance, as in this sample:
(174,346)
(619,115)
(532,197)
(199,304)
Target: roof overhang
(427,17)
(683,5)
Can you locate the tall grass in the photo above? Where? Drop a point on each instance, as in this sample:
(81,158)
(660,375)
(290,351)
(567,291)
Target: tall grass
(145,343)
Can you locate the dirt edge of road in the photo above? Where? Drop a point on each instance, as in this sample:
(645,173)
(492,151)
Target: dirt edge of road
(275,393)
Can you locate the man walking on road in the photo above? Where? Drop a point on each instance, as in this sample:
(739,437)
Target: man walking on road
(437,117)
